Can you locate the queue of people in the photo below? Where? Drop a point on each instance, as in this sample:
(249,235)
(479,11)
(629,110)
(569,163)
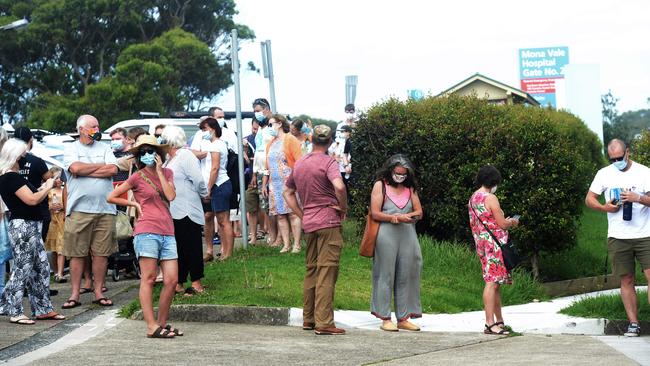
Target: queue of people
(298,182)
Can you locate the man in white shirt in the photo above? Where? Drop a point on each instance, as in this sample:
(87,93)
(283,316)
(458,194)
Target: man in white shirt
(626,186)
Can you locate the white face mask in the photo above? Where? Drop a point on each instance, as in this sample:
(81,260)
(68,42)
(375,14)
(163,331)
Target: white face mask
(493,189)
(222,122)
(399,178)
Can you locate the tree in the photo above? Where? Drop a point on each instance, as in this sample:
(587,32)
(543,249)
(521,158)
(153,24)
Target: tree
(72,44)
(609,113)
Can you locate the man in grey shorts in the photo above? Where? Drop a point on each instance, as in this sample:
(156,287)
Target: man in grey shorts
(625,182)
(90,222)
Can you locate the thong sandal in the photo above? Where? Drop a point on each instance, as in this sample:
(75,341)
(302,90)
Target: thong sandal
(74,304)
(21,320)
(174,330)
(488,330)
(52,315)
(85,290)
(103,301)
(161,332)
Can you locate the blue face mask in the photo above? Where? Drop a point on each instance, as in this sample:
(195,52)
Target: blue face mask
(260,116)
(207,135)
(160,140)
(620,165)
(273,132)
(148,159)
(306,130)
(117,144)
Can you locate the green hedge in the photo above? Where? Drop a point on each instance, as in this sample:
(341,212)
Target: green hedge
(640,149)
(547,159)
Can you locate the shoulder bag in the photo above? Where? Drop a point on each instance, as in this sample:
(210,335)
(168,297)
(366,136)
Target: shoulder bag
(511,257)
(6,252)
(367,246)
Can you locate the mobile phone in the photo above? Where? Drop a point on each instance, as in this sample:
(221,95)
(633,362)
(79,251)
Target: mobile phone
(615,202)
(516,217)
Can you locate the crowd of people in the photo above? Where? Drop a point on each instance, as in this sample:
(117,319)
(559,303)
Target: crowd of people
(296,180)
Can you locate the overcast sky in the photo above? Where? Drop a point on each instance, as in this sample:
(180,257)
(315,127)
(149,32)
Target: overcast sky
(395,45)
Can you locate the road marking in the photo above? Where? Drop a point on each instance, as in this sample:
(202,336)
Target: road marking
(96,326)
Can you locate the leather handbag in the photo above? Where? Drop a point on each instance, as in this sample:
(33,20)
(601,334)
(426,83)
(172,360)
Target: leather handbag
(369,240)
(511,257)
(123,228)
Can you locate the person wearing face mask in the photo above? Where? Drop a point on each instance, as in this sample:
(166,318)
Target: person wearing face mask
(120,145)
(397,263)
(302,131)
(485,211)
(263,113)
(153,234)
(625,183)
(282,153)
(30,271)
(90,220)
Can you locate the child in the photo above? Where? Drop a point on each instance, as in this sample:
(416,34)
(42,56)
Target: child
(54,240)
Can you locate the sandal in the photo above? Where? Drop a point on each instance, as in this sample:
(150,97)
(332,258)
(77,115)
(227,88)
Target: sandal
(21,320)
(208,258)
(488,330)
(161,332)
(191,291)
(178,332)
(60,278)
(74,304)
(52,315)
(103,301)
(85,290)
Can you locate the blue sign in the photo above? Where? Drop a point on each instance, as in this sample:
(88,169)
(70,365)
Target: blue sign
(415,94)
(545,99)
(548,62)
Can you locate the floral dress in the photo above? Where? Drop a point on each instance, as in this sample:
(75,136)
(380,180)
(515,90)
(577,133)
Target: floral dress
(494,269)
(279,172)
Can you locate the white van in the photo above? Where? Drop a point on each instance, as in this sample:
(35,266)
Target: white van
(189,125)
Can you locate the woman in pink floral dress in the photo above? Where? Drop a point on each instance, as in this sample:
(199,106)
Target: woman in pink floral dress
(484,209)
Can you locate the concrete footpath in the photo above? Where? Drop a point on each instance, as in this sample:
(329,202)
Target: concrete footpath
(232,344)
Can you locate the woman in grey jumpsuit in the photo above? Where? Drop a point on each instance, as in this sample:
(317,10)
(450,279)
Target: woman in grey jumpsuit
(397,263)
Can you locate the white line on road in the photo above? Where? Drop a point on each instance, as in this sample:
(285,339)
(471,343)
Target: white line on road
(108,319)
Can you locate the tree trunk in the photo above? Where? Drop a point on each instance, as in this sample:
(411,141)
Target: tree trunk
(534,261)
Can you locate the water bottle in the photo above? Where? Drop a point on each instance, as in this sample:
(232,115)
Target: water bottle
(627,211)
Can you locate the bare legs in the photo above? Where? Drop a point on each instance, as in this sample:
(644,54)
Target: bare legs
(208,233)
(492,306)
(149,269)
(225,234)
(296,230)
(283,228)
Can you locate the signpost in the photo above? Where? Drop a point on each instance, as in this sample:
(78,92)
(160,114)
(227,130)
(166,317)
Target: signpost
(539,69)
(234,49)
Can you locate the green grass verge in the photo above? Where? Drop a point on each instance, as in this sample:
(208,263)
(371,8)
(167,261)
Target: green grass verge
(608,307)
(260,276)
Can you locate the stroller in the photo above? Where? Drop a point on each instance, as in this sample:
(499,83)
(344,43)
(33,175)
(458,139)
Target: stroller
(124,260)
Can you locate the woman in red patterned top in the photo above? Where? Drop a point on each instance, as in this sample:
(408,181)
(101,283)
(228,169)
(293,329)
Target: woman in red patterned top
(484,209)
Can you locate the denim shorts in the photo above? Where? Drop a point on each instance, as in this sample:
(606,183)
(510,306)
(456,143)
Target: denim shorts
(221,196)
(162,247)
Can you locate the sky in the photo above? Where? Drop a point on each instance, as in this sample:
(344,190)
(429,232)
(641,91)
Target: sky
(394,46)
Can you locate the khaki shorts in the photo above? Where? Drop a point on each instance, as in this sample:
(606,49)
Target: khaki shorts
(622,253)
(252,200)
(85,233)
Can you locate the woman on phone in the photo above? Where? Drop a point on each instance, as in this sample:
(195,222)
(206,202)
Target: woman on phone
(484,211)
(397,263)
(153,190)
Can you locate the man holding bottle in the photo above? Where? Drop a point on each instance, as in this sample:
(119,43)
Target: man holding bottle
(626,186)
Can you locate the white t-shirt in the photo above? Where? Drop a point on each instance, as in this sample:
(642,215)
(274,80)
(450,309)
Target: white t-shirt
(262,139)
(637,179)
(220,147)
(200,144)
(230,138)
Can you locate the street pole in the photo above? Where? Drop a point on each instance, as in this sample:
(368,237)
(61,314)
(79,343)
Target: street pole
(234,54)
(267,66)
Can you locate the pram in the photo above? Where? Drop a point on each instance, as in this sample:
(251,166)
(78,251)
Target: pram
(124,260)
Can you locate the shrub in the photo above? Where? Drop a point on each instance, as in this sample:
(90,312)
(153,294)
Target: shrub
(547,159)
(640,149)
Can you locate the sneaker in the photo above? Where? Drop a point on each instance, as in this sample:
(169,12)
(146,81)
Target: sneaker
(216,240)
(633,330)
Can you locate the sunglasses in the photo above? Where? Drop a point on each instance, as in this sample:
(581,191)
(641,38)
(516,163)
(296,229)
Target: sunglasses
(261,102)
(613,160)
(142,152)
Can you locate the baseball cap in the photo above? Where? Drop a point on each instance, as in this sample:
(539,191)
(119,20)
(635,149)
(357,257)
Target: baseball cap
(322,134)
(23,133)
(346,129)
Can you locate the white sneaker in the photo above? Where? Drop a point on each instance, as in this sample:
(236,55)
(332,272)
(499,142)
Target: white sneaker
(633,330)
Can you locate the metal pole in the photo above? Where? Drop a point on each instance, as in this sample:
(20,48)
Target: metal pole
(234,53)
(269,62)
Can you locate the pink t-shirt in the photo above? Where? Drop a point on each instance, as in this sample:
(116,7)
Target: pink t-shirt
(312,178)
(156,218)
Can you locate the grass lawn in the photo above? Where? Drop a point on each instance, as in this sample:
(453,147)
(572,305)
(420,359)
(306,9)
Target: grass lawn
(608,307)
(587,258)
(261,276)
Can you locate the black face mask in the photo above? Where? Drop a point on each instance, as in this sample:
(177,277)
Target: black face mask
(264,123)
(96,136)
